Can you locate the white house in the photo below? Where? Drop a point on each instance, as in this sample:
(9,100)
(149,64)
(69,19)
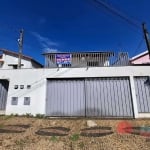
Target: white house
(9,60)
(93,91)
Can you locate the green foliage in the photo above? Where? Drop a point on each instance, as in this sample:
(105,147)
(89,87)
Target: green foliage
(40,116)
(54,138)
(1,126)
(74,137)
(5,117)
(16,115)
(28,115)
(20,143)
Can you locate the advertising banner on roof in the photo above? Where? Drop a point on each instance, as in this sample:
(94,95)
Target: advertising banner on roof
(63,59)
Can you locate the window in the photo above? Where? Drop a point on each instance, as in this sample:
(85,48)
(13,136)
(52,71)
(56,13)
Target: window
(21,86)
(15,86)
(14,101)
(28,86)
(15,66)
(26,100)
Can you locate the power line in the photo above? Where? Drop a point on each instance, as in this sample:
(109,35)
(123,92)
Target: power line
(117,13)
(122,16)
(138,46)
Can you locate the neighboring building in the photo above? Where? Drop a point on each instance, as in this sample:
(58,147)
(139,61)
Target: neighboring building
(9,60)
(142,58)
(82,84)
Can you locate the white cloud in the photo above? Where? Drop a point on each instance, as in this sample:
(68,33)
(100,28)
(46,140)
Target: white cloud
(51,50)
(45,42)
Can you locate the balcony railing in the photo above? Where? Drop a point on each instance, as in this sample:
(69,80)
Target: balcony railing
(86,59)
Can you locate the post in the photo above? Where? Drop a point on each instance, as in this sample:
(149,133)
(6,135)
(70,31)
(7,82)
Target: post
(134,99)
(146,36)
(20,43)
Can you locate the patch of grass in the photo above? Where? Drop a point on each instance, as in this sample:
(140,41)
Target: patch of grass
(14,115)
(5,117)
(1,126)
(74,137)
(28,115)
(54,138)
(20,143)
(40,116)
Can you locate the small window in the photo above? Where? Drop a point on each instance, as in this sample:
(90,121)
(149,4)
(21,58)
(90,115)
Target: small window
(21,86)
(15,86)
(15,66)
(28,86)
(26,100)
(14,101)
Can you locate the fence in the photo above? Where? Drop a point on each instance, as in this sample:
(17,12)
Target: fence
(90,59)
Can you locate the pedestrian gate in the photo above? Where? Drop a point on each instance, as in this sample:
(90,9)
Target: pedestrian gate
(3,93)
(142,87)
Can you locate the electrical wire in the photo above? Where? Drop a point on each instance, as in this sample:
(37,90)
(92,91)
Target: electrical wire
(122,16)
(138,46)
(116,12)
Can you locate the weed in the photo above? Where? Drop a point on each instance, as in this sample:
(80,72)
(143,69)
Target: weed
(16,115)
(53,138)
(7,117)
(1,126)
(81,145)
(28,115)
(20,143)
(40,116)
(74,137)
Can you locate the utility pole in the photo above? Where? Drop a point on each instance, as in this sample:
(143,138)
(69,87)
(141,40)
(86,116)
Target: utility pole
(146,36)
(20,43)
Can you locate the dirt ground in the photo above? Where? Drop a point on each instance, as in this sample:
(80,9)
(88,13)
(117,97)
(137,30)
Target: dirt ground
(22,133)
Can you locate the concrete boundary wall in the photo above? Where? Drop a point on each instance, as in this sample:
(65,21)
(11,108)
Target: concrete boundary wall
(31,83)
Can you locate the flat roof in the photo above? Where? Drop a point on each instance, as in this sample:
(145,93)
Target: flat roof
(75,52)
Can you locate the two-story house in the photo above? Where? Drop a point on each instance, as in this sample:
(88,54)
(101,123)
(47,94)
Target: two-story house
(9,60)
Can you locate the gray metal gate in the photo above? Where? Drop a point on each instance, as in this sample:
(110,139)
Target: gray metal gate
(3,93)
(99,97)
(65,98)
(108,97)
(142,87)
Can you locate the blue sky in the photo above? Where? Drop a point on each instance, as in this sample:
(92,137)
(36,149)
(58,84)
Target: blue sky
(73,25)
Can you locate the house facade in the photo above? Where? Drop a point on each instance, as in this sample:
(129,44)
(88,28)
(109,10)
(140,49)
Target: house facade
(87,91)
(9,60)
(142,58)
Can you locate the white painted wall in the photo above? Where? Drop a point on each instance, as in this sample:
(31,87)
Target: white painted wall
(37,79)
(11,60)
